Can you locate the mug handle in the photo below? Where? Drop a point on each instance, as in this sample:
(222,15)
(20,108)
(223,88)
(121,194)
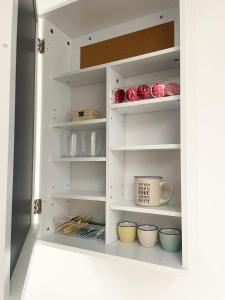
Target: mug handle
(163,201)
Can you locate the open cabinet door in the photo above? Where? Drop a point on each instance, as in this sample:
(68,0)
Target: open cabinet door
(24,128)
(23,232)
(17,118)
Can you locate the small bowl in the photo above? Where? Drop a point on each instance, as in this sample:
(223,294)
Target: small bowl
(127,231)
(147,235)
(170,239)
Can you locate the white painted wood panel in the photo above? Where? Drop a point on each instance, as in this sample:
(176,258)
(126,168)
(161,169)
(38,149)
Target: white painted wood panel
(89,176)
(55,106)
(158,128)
(82,125)
(75,19)
(115,164)
(82,77)
(45,6)
(156,257)
(161,147)
(80,195)
(148,63)
(148,105)
(78,159)
(164,210)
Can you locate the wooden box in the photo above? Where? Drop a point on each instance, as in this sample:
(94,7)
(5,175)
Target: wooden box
(85,114)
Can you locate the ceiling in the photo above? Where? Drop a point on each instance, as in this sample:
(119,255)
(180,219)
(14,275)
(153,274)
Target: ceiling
(86,16)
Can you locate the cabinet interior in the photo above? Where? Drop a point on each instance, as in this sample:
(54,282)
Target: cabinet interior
(103,187)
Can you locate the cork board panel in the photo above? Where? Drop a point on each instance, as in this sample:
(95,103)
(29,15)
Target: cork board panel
(140,42)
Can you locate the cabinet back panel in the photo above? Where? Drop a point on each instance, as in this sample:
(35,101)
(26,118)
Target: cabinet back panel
(160,221)
(153,128)
(88,176)
(89,209)
(50,210)
(165,164)
(90,96)
(166,75)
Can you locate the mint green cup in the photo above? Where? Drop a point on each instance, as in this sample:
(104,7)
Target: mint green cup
(170,239)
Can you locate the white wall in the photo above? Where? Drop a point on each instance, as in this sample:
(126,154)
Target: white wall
(45,5)
(8,18)
(57,274)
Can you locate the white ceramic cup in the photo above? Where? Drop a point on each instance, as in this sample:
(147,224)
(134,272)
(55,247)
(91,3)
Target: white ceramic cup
(149,190)
(147,235)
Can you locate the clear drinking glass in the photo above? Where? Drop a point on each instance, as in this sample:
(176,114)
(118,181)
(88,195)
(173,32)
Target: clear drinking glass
(102,142)
(92,143)
(70,144)
(83,143)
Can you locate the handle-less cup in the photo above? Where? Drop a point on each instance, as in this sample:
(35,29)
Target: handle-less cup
(170,239)
(70,144)
(127,231)
(147,235)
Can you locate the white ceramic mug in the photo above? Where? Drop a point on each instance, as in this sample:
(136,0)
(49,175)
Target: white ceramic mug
(147,235)
(149,190)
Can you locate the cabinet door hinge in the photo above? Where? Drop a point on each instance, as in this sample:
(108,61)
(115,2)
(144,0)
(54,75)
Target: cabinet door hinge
(41,46)
(37,206)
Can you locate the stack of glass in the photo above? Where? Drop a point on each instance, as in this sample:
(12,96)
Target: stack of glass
(86,143)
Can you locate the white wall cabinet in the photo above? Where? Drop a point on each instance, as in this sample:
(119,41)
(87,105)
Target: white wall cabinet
(142,138)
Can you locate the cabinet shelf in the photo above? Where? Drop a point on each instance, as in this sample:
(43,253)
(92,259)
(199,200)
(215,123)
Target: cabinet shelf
(163,210)
(148,105)
(148,63)
(80,125)
(142,64)
(87,76)
(156,257)
(80,195)
(77,159)
(161,147)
